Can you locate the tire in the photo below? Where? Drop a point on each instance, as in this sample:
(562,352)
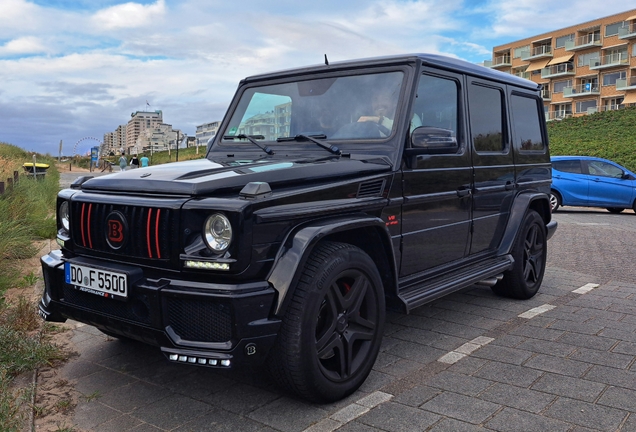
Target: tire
(331,333)
(530,253)
(555,201)
(615,210)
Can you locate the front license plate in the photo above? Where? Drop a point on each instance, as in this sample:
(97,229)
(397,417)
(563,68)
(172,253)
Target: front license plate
(104,283)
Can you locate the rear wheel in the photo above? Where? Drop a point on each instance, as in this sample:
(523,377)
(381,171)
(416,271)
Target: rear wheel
(615,210)
(332,330)
(530,253)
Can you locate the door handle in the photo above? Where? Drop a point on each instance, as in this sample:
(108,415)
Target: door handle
(463,192)
(510,185)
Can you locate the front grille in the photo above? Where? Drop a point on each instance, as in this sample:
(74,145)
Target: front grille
(200,320)
(146,230)
(137,308)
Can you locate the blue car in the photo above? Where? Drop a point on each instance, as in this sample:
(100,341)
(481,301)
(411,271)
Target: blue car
(592,182)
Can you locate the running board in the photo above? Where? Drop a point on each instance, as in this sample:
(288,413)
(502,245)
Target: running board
(484,272)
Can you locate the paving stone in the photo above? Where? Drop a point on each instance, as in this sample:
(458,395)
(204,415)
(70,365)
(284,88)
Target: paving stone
(288,414)
(242,398)
(574,388)
(80,368)
(547,347)
(460,407)
(517,397)
(468,365)
(619,334)
(503,354)
(458,330)
(171,411)
(459,383)
(589,328)
(356,426)
(625,348)
(619,398)
(612,376)
(544,334)
(588,341)
(89,415)
(416,352)
(586,414)
(417,395)
(557,365)
(102,382)
(132,396)
(508,374)
(452,425)
(396,417)
(119,423)
(525,421)
(604,358)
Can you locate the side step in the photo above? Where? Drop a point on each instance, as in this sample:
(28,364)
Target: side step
(484,272)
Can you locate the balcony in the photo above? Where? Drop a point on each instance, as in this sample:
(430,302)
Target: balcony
(558,115)
(558,70)
(584,42)
(499,61)
(536,53)
(628,32)
(610,60)
(626,84)
(612,107)
(546,95)
(589,89)
(525,75)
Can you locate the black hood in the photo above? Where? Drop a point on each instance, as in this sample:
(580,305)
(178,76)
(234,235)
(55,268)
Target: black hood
(206,177)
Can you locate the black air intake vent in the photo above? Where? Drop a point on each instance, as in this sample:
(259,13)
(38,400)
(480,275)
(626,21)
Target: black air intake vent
(371,189)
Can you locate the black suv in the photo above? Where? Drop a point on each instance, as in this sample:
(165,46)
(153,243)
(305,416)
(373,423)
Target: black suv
(329,194)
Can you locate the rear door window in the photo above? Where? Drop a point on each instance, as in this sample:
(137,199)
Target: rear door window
(571,166)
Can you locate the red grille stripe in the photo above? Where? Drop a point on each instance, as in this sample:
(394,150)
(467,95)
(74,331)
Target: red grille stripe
(88,229)
(149,218)
(157,233)
(82,226)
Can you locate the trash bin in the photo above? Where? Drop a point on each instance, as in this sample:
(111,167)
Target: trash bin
(36,170)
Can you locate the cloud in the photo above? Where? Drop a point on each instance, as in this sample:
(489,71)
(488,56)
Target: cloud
(129,15)
(22,46)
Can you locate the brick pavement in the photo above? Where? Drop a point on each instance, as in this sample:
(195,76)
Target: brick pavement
(568,366)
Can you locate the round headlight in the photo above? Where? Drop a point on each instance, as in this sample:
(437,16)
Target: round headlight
(217,232)
(64,215)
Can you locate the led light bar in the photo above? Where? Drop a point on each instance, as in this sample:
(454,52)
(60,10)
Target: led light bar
(199,360)
(207,265)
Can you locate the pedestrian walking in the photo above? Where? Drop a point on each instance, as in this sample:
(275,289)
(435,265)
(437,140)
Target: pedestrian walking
(123,162)
(144,161)
(134,162)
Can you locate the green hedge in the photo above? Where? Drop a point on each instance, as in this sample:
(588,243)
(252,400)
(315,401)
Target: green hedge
(609,134)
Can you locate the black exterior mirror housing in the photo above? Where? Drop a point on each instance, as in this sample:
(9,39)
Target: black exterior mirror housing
(432,140)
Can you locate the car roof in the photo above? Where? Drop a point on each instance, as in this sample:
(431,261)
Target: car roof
(440,61)
(579,157)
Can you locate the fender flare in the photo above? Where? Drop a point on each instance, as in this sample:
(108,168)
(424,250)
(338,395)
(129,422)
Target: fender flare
(300,242)
(518,211)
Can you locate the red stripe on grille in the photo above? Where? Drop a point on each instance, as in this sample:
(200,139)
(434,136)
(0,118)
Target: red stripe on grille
(82,226)
(157,233)
(148,233)
(90,239)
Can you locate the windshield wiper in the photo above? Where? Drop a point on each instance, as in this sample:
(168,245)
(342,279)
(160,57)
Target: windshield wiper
(318,139)
(252,139)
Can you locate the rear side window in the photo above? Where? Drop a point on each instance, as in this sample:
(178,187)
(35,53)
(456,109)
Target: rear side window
(486,119)
(526,123)
(571,166)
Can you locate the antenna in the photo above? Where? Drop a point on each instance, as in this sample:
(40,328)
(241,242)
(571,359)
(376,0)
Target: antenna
(326,61)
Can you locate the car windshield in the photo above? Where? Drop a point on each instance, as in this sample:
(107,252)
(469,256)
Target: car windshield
(339,108)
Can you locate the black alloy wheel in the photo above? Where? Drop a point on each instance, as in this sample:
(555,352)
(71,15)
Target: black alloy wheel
(332,331)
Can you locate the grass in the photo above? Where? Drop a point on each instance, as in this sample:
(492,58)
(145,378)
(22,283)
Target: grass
(26,214)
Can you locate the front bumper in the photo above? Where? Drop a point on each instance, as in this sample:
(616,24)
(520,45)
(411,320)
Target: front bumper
(214,325)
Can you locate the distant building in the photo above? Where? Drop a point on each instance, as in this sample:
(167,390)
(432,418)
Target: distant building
(206,131)
(139,122)
(271,124)
(584,68)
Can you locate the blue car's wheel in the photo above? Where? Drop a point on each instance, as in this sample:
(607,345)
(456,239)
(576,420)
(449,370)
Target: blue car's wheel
(555,200)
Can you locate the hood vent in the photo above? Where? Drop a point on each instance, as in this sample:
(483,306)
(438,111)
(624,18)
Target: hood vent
(371,189)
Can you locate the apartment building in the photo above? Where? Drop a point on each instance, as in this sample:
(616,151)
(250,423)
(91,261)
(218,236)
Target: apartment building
(206,131)
(585,68)
(139,122)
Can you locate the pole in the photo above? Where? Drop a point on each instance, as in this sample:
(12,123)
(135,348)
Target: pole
(177,145)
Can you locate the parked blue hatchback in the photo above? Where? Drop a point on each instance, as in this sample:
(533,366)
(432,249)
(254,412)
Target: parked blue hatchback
(591,182)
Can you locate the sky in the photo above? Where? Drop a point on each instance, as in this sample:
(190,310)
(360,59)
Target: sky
(72,71)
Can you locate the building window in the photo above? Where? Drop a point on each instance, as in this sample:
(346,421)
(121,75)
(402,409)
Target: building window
(560,41)
(585,59)
(583,106)
(612,29)
(610,78)
(559,85)
(518,51)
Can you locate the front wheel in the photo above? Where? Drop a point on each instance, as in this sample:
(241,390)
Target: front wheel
(331,332)
(530,254)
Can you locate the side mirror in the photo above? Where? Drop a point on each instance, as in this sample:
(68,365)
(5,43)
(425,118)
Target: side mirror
(209,143)
(432,140)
